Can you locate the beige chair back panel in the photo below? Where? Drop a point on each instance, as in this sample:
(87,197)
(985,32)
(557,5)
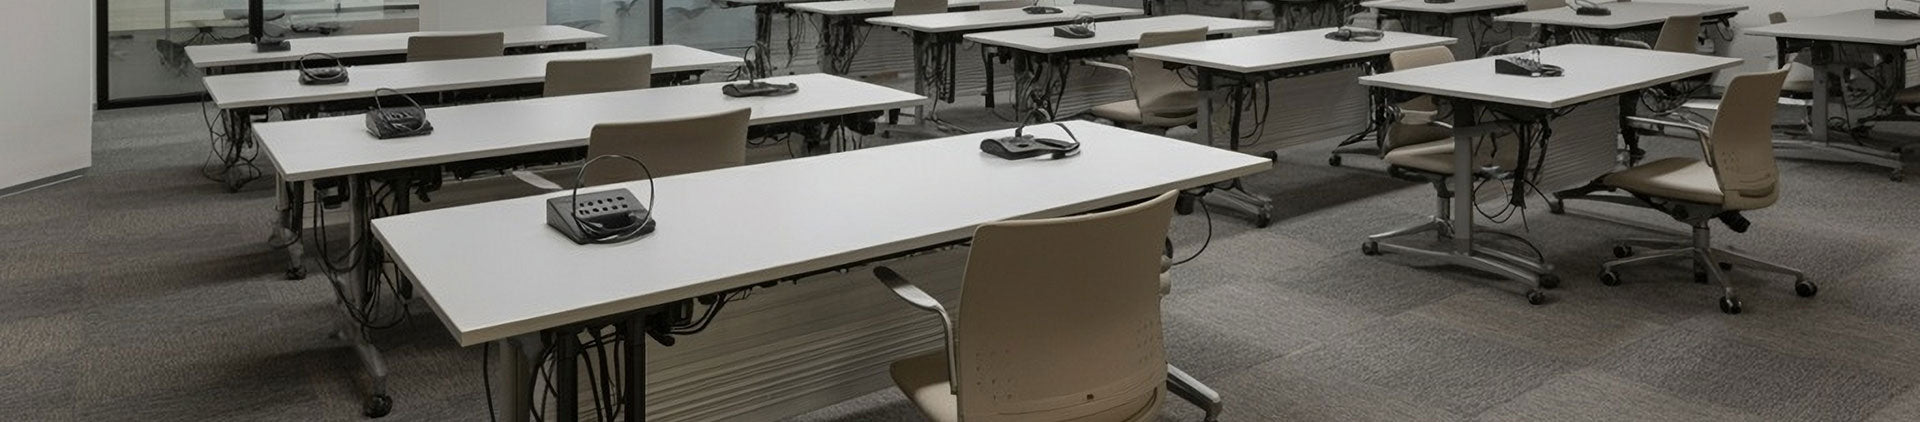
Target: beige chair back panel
(669,147)
(1060,318)
(422,48)
(1777,18)
(1741,143)
(918,7)
(1164,97)
(1005,4)
(571,77)
(1681,34)
(1545,4)
(1400,135)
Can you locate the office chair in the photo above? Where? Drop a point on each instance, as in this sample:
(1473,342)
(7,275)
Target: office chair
(668,147)
(1736,174)
(918,7)
(1005,4)
(1419,148)
(571,77)
(1533,5)
(422,48)
(1680,34)
(1059,321)
(1161,100)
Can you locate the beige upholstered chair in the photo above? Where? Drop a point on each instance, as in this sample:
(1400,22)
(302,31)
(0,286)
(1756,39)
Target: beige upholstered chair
(1161,100)
(1545,4)
(1420,148)
(1005,4)
(668,147)
(1680,34)
(918,7)
(422,48)
(571,77)
(1059,321)
(1736,174)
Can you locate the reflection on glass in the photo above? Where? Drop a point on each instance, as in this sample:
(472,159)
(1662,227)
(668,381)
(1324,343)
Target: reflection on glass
(624,22)
(147,39)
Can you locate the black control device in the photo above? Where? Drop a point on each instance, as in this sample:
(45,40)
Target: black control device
(1528,65)
(1022,146)
(272,45)
(1589,8)
(1439,1)
(1081,28)
(1041,10)
(1888,12)
(599,217)
(332,73)
(1356,35)
(758,89)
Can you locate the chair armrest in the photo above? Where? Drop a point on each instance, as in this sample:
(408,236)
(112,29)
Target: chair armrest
(1700,131)
(925,302)
(1113,66)
(536,180)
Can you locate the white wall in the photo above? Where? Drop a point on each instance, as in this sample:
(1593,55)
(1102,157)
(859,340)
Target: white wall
(475,15)
(46,94)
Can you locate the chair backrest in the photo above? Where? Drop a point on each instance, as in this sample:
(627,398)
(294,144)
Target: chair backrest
(918,7)
(1545,4)
(1164,98)
(1681,34)
(670,147)
(1401,134)
(587,76)
(1741,141)
(1005,4)
(1060,318)
(422,48)
(1777,18)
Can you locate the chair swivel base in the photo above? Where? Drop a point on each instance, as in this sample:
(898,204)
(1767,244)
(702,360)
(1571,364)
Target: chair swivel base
(1256,207)
(1844,152)
(1710,264)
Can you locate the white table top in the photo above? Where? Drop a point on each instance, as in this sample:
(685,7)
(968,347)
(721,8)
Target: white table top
(1112,34)
(1857,26)
(339,146)
(495,270)
(1284,50)
(205,56)
(1592,72)
(263,89)
(864,7)
(1001,18)
(1458,6)
(1625,15)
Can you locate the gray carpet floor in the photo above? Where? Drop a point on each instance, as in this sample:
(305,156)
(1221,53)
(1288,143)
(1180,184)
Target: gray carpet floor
(144,292)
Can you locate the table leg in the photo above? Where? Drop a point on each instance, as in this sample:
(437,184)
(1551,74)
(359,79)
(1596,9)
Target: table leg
(762,60)
(514,386)
(986,62)
(566,375)
(634,331)
(1257,207)
(366,263)
(292,226)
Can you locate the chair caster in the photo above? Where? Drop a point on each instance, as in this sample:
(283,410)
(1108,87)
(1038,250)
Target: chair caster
(1183,204)
(1333,161)
(1549,281)
(1556,208)
(1622,251)
(1726,266)
(1730,305)
(1262,221)
(1273,156)
(1700,277)
(297,273)
(378,405)
(1609,279)
(1536,297)
(1370,248)
(1897,176)
(1805,288)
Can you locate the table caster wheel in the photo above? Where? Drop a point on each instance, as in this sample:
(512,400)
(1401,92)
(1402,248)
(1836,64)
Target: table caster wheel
(1333,161)
(1805,288)
(1549,281)
(1262,221)
(297,273)
(378,405)
(1536,297)
(1370,248)
(1609,278)
(1183,204)
(1730,305)
(1622,251)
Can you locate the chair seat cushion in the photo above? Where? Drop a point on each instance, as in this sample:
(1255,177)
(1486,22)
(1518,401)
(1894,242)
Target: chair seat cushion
(1437,156)
(1124,112)
(1799,79)
(1181,108)
(924,379)
(1677,178)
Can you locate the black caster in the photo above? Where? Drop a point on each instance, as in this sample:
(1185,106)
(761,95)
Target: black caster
(1805,288)
(1701,277)
(1730,305)
(1333,161)
(378,406)
(1183,204)
(1262,221)
(1536,297)
(1272,156)
(297,273)
(1609,278)
(1726,266)
(1622,251)
(1556,208)
(1897,176)
(1370,248)
(1549,281)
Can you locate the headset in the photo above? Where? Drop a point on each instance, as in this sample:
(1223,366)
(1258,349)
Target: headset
(1356,34)
(322,75)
